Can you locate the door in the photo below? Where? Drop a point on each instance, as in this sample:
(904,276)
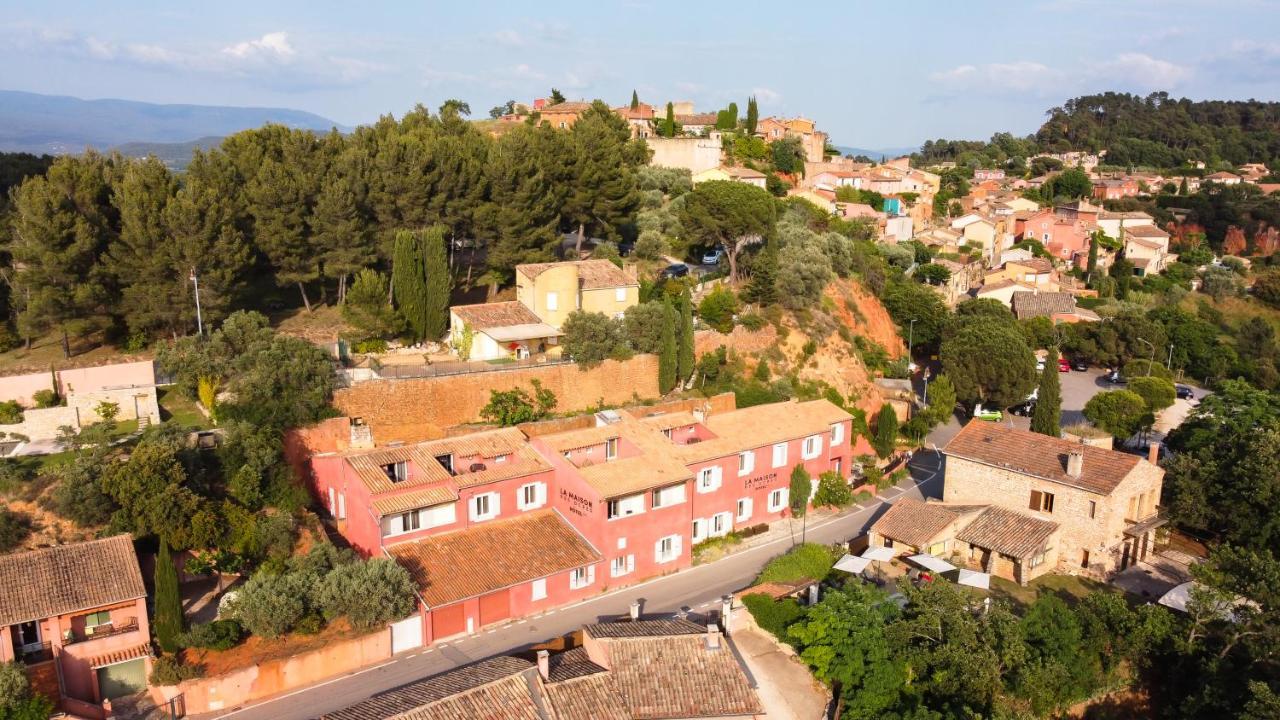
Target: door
(406,634)
(29,636)
(125,678)
(1084,559)
(495,607)
(448,620)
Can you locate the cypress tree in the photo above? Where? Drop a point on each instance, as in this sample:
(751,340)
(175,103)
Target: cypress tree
(1048,410)
(667,350)
(439,283)
(670,128)
(168,608)
(1093,254)
(684,356)
(733,115)
(886,431)
(635,101)
(1182,187)
(753,115)
(409,282)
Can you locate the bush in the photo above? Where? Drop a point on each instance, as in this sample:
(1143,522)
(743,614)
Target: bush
(774,616)
(371,346)
(752,321)
(216,635)
(833,491)
(10,412)
(590,338)
(17,702)
(512,407)
(1142,368)
(717,309)
(802,562)
(168,670)
(45,398)
(369,593)
(15,528)
(272,605)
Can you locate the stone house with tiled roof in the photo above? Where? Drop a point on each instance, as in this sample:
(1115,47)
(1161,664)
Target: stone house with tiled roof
(554,290)
(75,616)
(500,330)
(1059,307)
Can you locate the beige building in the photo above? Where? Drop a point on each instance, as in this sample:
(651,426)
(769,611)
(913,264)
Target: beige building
(493,331)
(1147,247)
(553,290)
(732,172)
(1104,502)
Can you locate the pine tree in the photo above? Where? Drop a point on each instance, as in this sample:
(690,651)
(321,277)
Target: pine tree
(556,97)
(1182,187)
(604,195)
(168,607)
(667,362)
(684,355)
(1048,412)
(439,283)
(280,203)
(409,281)
(635,101)
(762,287)
(342,232)
(138,258)
(753,115)
(528,180)
(886,437)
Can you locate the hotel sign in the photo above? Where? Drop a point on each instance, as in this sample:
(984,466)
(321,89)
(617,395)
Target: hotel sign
(576,503)
(759,481)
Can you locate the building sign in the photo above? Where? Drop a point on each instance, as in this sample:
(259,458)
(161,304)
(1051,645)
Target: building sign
(578,504)
(759,481)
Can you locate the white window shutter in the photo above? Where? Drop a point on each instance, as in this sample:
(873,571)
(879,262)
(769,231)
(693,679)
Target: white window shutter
(542,494)
(591,574)
(495,504)
(717,475)
(676,548)
(631,563)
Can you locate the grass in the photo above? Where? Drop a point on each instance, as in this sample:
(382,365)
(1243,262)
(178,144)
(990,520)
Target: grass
(1070,588)
(180,409)
(46,354)
(809,561)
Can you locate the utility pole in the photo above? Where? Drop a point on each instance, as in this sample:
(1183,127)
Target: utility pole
(1152,360)
(199,320)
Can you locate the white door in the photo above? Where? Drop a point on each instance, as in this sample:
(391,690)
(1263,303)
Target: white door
(406,634)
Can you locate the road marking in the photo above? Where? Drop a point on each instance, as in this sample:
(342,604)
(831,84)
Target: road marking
(308,688)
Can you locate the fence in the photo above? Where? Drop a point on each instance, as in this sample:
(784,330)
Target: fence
(442,369)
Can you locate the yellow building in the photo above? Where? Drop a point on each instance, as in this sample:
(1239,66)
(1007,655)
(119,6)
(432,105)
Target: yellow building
(553,290)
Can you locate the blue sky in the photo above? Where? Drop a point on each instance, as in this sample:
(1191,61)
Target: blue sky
(872,74)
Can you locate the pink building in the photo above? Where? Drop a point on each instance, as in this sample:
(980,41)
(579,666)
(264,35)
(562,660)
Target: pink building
(1066,238)
(506,523)
(76,617)
(981,174)
(1115,188)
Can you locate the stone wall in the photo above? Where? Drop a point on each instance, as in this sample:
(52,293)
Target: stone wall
(432,404)
(693,154)
(43,423)
(134,402)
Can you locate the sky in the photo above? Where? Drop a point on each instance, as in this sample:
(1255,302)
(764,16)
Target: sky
(873,75)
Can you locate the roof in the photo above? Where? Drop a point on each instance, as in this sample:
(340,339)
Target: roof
(1222,176)
(480,450)
(70,578)
(742,173)
(499,314)
(1041,304)
(1145,231)
(651,462)
(644,628)
(679,677)
(1124,215)
(1040,456)
(1008,531)
(425,497)
(490,556)
(915,522)
(121,655)
(527,331)
(588,697)
(1038,264)
(697,119)
(592,274)
(495,689)
(566,107)
(571,664)
(760,425)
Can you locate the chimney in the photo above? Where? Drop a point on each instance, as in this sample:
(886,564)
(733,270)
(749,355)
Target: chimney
(544,664)
(361,435)
(713,637)
(1075,463)
(1153,453)
(726,613)
(635,610)
(700,415)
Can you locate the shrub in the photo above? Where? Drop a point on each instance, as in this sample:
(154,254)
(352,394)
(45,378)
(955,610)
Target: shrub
(271,605)
(216,635)
(590,338)
(752,321)
(1142,368)
(802,562)
(512,407)
(10,412)
(17,702)
(833,491)
(717,309)
(168,670)
(369,594)
(371,346)
(772,615)
(15,527)
(45,398)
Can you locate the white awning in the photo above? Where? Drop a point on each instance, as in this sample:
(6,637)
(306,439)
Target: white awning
(1177,597)
(852,564)
(974,579)
(879,554)
(930,562)
(512,333)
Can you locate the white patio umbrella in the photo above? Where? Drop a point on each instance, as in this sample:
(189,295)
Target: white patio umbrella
(930,562)
(879,554)
(852,564)
(973,578)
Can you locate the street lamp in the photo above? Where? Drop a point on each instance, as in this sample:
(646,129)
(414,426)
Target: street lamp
(1151,361)
(199,320)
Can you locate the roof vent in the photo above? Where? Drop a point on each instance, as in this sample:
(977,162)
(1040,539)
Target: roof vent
(607,417)
(713,636)
(477,466)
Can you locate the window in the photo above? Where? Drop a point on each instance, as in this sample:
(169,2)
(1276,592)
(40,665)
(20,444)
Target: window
(779,455)
(500,458)
(778,499)
(708,479)
(581,577)
(409,521)
(812,447)
(667,496)
(667,549)
(397,471)
(342,506)
(1093,509)
(102,617)
(622,543)
(1041,501)
(744,509)
(538,589)
(484,507)
(611,448)
(721,524)
(837,434)
(699,529)
(532,495)
(620,294)
(553,302)
(446,462)
(1037,560)
(624,506)
(746,462)
(622,565)
(667,432)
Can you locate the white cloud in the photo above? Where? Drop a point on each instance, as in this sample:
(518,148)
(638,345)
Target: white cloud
(526,72)
(1128,71)
(1158,36)
(1247,61)
(1022,76)
(273,45)
(1141,71)
(765,95)
(509,38)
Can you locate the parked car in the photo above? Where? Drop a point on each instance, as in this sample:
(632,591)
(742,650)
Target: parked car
(678,270)
(1039,364)
(1115,378)
(990,414)
(1064,365)
(1079,365)
(1184,392)
(712,256)
(1024,409)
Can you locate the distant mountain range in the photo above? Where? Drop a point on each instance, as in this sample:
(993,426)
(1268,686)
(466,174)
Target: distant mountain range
(887,153)
(55,124)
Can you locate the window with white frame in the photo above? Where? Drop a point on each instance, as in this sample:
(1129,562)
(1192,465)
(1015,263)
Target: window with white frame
(746,462)
(721,524)
(744,509)
(484,507)
(620,294)
(709,479)
(538,589)
(532,495)
(581,577)
(812,447)
(624,506)
(622,565)
(779,455)
(699,530)
(667,549)
(611,448)
(553,301)
(622,543)
(668,496)
(778,499)
(837,434)
(409,521)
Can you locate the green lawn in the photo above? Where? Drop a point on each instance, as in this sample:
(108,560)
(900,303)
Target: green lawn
(1069,587)
(178,408)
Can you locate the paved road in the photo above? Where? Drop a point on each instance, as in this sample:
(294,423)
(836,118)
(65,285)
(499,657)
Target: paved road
(698,588)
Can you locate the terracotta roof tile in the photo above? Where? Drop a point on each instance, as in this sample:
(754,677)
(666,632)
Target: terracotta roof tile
(644,628)
(495,689)
(70,578)
(1009,532)
(566,107)
(680,677)
(655,462)
(114,657)
(473,449)
(914,522)
(697,119)
(589,697)
(571,664)
(762,425)
(394,504)
(1040,456)
(491,556)
(593,274)
(491,315)
(1042,304)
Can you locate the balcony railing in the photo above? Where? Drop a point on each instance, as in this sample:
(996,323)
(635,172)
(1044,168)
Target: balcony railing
(101,631)
(36,653)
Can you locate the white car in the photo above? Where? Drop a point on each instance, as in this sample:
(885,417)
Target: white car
(712,257)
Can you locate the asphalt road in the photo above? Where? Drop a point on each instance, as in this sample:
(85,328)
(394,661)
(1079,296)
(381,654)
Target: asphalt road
(697,589)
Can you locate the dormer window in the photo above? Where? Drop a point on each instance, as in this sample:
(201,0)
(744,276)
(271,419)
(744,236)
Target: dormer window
(611,448)
(397,471)
(446,462)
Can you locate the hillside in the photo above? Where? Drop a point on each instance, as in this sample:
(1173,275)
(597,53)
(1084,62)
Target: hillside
(176,156)
(30,122)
